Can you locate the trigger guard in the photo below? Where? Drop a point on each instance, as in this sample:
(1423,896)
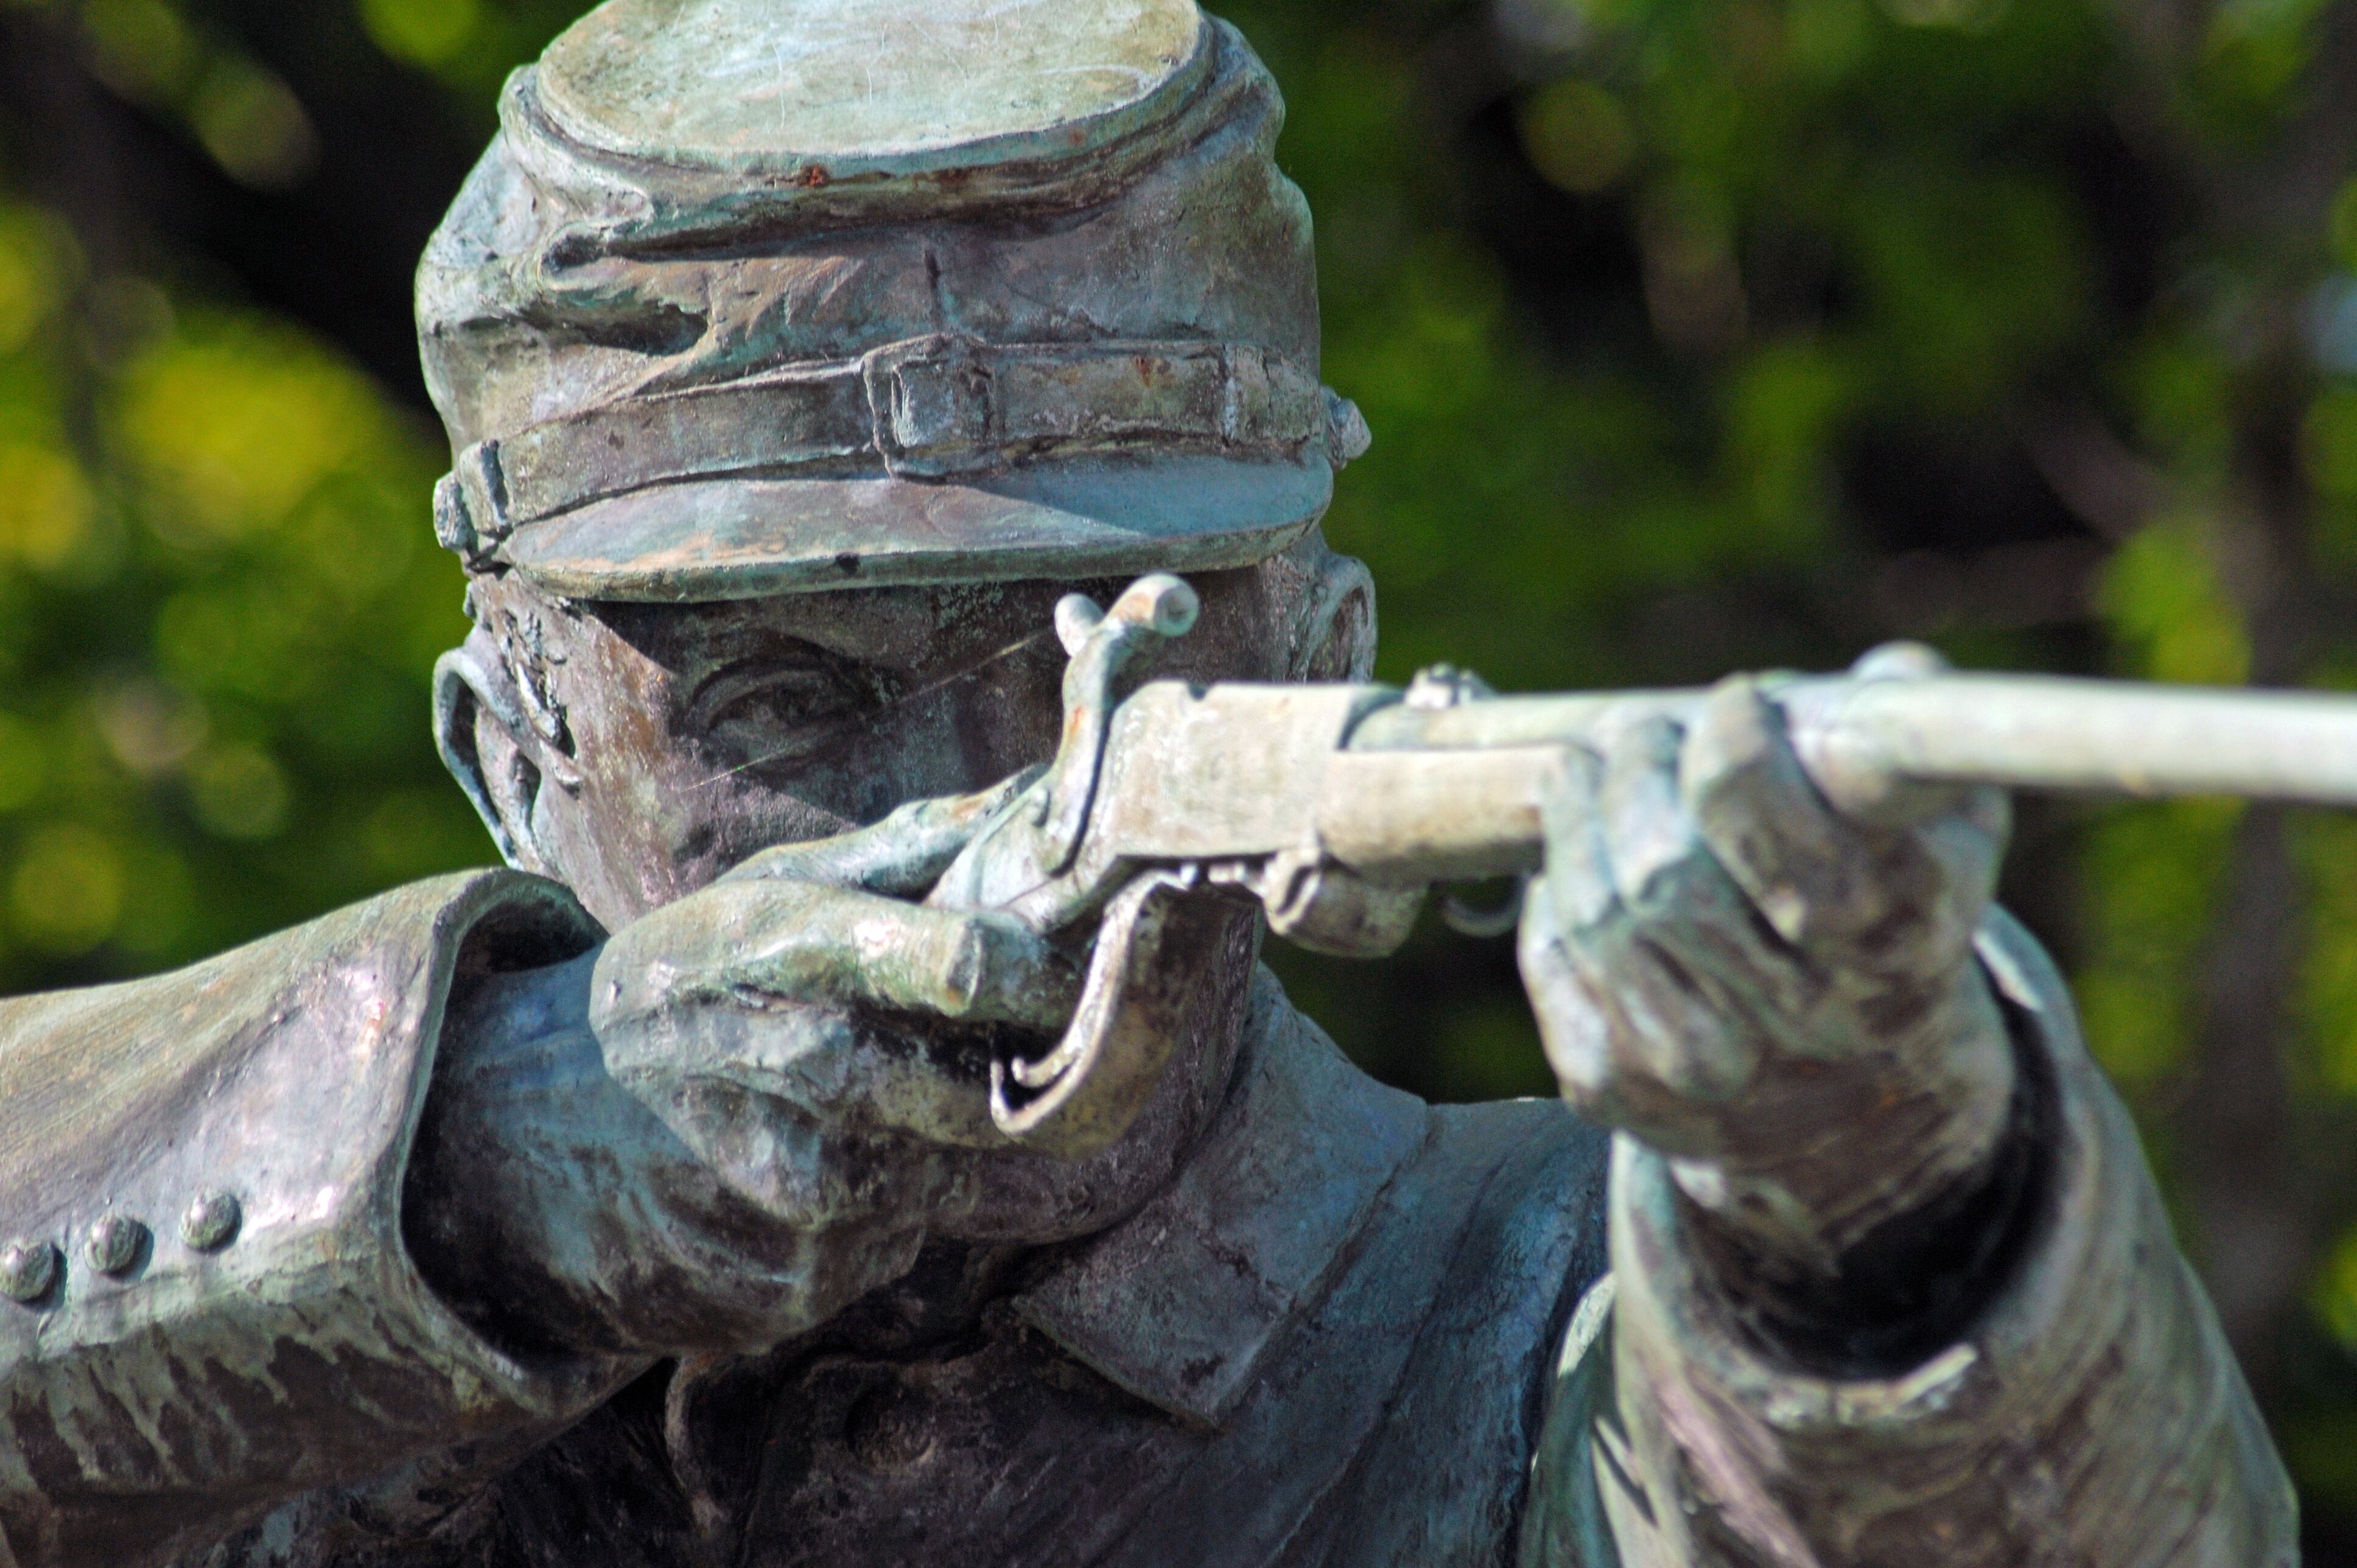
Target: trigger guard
(1080,1097)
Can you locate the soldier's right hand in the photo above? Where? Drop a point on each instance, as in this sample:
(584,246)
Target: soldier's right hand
(742,1112)
(809,976)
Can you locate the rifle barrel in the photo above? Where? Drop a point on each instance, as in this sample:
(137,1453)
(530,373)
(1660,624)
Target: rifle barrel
(1425,794)
(2024,732)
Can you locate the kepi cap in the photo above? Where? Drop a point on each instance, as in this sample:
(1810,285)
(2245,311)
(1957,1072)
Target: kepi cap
(757,296)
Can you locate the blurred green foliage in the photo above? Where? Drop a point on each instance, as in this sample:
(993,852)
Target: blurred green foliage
(216,607)
(1691,332)
(2010,222)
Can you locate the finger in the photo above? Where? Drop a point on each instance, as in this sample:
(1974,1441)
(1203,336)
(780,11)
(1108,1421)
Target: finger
(1896,900)
(1569,914)
(1962,851)
(839,1070)
(1572,895)
(1959,831)
(1683,1038)
(1631,1047)
(1628,1050)
(855,947)
(1699,982)
(804,1110)
(1634,1034)
(1753,803)
(903,855)
(1578,879)
(1856,780)
(1675,889)
(1900,660)
(1571,1027)
(800,942)
(1651,841)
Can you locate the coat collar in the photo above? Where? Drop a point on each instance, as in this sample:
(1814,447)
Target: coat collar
(1177,1303)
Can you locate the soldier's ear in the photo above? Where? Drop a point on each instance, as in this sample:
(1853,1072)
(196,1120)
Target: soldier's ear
(1334,623)
(490,750)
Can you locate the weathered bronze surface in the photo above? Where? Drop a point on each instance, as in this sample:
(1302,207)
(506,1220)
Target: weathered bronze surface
(856,1130)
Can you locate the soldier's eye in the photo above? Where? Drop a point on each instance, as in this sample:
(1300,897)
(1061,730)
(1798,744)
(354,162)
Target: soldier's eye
(774,702)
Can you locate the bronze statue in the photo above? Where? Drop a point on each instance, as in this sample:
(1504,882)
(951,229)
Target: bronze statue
(716,1184)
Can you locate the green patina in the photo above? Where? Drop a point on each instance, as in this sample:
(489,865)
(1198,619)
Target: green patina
(882,89)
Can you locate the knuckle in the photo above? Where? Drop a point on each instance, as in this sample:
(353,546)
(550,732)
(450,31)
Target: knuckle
(1900,660)
(1710,1063)
(1574,1035)
(1676,1024)
(1668,877)
(1735,728)
(1568,793)
(1641,742)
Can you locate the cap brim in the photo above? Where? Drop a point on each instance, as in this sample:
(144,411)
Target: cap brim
(750,538)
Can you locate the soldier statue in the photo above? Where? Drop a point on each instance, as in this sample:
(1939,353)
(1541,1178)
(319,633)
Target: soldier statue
(640,1204)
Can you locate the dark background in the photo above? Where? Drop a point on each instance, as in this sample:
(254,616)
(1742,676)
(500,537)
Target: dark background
(1696,335)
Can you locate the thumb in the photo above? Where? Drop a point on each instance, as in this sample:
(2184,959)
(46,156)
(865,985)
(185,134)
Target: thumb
(903,855)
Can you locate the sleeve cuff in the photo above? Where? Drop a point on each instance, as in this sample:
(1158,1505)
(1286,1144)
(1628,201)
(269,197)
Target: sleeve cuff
(174,1399)
(2090,1413)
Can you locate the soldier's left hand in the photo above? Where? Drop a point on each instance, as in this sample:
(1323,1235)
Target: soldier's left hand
(1780,997)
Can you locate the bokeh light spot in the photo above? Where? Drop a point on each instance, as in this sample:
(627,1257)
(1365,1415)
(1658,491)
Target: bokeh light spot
(142,49)
(1962,16)
(423,32)
(1577,136)
(28,278)
(46,505)
(21,767)
(66,893)
(254,125)
(149,729)
(235,425)
(2162,594)
(237,791)
(2336,1291)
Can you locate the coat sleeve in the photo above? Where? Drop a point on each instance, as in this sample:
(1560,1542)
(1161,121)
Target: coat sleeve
(2090,1414)
(200,1175)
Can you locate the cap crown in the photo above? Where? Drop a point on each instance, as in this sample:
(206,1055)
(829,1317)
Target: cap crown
(880,89)
(758,295)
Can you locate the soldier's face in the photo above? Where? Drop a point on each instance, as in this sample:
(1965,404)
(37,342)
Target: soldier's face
(669,742)
(644,749)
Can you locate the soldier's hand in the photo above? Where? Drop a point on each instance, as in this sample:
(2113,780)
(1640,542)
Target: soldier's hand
(807,982)
(1780,997)
(742,1112)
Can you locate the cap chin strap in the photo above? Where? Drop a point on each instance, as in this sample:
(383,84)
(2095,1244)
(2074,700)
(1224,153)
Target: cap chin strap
(943,406)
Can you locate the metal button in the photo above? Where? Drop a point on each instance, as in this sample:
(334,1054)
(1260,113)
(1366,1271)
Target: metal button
(115,1242)
(211,1221)
(28,1270)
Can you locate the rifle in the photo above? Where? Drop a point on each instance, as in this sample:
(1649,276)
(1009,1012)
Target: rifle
(1339,805)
